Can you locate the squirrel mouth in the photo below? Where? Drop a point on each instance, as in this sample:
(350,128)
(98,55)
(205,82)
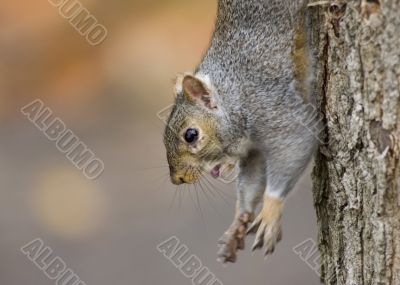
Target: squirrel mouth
(215,172)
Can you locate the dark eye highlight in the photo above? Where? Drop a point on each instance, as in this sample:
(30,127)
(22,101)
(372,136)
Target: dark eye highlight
(191,135)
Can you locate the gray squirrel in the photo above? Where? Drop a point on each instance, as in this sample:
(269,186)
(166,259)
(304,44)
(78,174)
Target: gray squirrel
(248,103)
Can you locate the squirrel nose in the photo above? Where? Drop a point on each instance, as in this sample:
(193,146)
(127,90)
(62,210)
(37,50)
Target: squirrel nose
(177,179)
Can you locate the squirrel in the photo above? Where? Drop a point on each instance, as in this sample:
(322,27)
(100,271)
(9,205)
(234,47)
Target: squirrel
(248,103)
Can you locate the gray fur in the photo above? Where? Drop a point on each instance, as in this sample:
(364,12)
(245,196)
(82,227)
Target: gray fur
(250,65)
(251,69)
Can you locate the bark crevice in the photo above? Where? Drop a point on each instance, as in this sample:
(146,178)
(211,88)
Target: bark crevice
(356,175)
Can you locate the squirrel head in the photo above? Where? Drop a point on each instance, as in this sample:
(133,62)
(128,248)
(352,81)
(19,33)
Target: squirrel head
(192,137)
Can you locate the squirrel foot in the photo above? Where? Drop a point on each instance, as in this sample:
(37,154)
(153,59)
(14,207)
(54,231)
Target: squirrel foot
(267,226)
(233,239)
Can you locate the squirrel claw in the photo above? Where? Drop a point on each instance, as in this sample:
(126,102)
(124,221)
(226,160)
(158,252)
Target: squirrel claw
(254,226)
(268,235)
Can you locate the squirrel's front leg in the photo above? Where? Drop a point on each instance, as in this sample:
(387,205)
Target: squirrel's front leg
(233,238)
(285,164)
(268,224)
(250,188)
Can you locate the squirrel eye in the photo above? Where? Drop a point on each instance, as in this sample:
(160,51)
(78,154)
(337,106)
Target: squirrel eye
(191,135)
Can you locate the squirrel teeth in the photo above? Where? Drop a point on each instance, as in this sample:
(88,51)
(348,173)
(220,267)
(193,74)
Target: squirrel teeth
(215,172)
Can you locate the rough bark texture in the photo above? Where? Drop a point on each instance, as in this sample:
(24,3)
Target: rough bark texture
(356,177)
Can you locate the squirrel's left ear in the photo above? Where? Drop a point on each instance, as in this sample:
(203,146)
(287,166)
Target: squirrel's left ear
(197,90)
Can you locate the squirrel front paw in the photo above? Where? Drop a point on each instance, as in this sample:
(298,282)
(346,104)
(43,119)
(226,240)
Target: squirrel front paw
(233,239)
(267,225)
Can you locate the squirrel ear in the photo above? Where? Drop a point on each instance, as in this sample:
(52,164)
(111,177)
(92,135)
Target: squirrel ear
(197,91)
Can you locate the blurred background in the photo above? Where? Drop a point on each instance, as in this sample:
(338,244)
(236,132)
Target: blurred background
(107,230)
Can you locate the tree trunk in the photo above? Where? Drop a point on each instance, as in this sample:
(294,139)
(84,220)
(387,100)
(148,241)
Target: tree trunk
(356,176)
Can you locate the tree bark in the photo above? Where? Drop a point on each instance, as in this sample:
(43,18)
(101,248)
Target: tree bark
(356,176)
